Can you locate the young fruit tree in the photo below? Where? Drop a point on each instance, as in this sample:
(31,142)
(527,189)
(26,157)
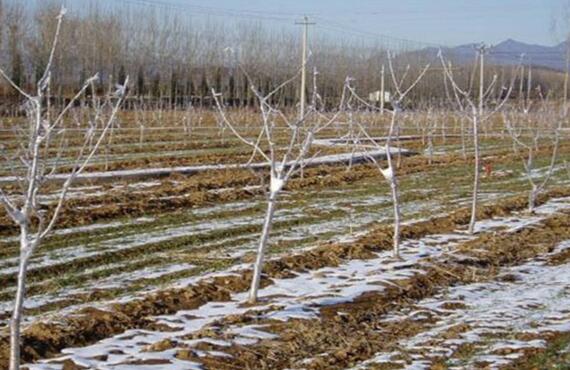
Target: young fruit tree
(283,144)
(427,130)
(476,110)
(526,135)
(388,173)
(38,157)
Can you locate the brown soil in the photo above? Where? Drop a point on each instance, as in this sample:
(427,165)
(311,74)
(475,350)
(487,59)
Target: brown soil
(352,332)
(198,188)
(553,356)
(43,340)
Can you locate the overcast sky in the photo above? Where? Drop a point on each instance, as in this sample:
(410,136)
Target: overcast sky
(448,22)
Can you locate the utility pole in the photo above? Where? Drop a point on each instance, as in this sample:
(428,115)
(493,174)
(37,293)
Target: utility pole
(565,96)
(481,50)
(305,23)
(382,91)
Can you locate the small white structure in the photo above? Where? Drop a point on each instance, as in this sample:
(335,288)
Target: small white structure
(376,96)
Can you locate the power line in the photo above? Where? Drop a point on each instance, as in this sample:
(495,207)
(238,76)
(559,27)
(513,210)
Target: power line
(197,9)
(341,27)
(282,17)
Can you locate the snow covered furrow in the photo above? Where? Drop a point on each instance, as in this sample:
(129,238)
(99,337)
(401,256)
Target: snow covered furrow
(536,302)
(299,297)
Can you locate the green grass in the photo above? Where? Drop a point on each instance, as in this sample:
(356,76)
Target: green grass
(555,357)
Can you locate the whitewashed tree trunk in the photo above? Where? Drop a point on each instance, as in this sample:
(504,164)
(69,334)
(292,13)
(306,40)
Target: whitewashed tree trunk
(397,215)
(17,311)
(443,130)
(463,147)
(141,135)
(536,186)
(390,173)
(478,116)
(475,195)
(396,207)
(533,194)
(391,177)
(261,249)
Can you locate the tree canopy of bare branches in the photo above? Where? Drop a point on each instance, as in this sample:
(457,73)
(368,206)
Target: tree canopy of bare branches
(45,130)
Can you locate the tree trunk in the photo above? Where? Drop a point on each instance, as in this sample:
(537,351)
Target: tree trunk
(476,178)
(463,149)
(256,278)
(394,189)
(396,203)
(430,150)
(18,308)
(141,136)
(532,198)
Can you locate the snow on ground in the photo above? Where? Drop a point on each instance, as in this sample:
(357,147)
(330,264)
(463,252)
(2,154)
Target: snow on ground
(517,222)
(135,240)
(83,229)
(538,301)
(115,281)
(303,295)
(347,227)
(123,174)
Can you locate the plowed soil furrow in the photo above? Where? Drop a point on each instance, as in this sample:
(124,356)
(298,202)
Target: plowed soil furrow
(196,191)
(347,333)
(93,324)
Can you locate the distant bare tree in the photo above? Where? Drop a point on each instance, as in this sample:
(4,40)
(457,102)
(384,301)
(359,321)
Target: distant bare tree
(526,133)
(476,111)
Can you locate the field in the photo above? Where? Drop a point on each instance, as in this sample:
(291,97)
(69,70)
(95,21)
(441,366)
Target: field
(149,267)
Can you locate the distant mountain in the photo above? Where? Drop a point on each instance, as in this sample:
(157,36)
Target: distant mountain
(509,52)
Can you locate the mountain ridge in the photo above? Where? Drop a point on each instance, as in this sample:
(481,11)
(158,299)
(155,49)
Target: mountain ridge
(510,52)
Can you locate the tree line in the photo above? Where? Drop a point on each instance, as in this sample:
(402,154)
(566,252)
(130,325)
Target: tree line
(175,60)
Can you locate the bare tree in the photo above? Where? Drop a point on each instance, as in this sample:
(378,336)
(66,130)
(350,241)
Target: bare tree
(283,160)
(428,131)
(478,114)
(535,132)
(45,130)
(389,173)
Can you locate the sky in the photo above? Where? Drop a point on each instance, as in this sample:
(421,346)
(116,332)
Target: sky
(441,22)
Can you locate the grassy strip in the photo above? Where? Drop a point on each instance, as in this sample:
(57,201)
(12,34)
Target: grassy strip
(174,244)
(556,355)
(126,228)
(197,188)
